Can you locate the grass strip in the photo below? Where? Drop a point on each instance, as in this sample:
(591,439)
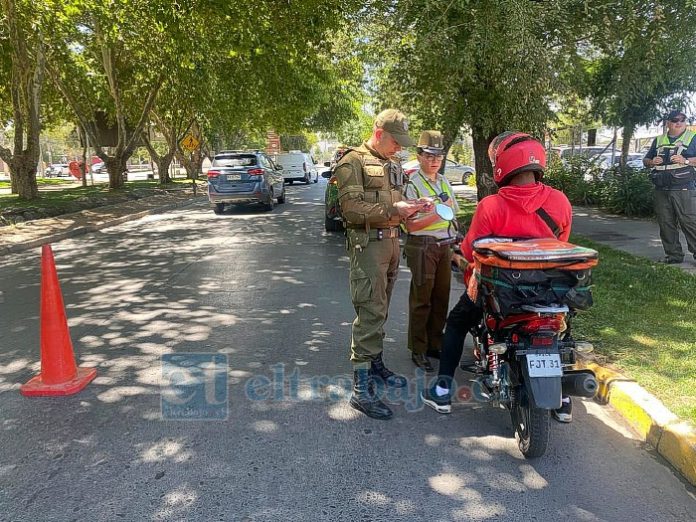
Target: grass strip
(55,199)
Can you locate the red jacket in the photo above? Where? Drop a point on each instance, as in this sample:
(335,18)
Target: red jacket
(512,213)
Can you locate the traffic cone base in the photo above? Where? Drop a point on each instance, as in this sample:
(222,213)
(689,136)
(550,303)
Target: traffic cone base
(35,387)
(59,372)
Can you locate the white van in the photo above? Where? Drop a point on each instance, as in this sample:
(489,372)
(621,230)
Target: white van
(297,165)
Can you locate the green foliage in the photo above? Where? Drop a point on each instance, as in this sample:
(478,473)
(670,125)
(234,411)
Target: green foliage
(628,192)
(294,142)
(356,130)
(640,59)
(579,178)
(486,66)
(461,154)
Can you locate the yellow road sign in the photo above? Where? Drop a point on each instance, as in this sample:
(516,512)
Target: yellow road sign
(189,143)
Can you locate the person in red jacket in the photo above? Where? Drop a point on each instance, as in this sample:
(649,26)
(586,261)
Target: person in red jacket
(523,208)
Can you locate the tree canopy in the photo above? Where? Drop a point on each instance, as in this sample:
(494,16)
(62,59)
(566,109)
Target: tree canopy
(516,64)
(230,71)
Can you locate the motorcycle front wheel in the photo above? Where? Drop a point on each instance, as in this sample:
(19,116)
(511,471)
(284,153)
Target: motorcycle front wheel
(531,424)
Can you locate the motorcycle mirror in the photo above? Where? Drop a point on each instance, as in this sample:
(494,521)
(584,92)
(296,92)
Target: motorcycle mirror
(445,212)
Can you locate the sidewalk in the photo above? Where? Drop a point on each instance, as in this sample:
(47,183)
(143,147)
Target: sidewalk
(675,440)
(640,237)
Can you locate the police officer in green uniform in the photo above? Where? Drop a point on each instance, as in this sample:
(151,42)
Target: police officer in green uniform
(428,253)
(672,157)
(370,193)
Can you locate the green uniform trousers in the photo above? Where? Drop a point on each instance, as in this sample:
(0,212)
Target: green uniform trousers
(675,209)
(373,271)
(428,299)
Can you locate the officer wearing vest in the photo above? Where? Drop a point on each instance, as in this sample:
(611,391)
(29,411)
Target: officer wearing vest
(672,157)
(428,253)
(370,188)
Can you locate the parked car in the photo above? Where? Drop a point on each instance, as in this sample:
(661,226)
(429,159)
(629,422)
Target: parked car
(606,161)
(244,177)
(333,221)
(99,168)
(636,163)
(57,170)
(565,151)
(454,172)
(297,166)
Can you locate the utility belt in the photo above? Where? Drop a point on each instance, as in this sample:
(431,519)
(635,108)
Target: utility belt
(384,233)
(378,233)
(430,240)
(673,179)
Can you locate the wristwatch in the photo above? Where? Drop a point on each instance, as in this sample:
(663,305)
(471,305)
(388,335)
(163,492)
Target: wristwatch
(687,161)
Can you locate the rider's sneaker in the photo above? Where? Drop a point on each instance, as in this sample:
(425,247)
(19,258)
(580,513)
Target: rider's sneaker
(565,412)
(440,403)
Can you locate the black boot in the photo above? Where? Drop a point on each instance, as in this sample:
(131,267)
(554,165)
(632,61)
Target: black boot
(388,377)
(363,399)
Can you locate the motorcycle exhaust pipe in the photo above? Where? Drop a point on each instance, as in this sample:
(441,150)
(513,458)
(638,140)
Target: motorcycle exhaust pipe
(579,384)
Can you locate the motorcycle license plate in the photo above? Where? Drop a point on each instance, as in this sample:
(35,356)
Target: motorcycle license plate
(544,365)
(233,177)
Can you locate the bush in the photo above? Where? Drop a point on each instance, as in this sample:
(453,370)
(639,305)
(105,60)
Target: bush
(579,178)
(628,192)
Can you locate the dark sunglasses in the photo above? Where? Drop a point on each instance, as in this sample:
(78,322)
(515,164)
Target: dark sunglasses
(677,120)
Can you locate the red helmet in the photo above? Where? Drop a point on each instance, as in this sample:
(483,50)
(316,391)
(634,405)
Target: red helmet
(513,152)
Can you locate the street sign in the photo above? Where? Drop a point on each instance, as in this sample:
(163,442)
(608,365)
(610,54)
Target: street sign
(272,142)
(189,143)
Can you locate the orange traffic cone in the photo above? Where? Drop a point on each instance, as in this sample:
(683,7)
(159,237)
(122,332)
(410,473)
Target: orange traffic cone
(59,374)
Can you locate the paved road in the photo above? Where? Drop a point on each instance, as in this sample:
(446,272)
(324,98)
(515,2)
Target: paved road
(269,292)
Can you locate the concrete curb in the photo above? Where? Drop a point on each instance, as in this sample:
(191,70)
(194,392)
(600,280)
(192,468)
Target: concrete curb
(673,438)
(98,224)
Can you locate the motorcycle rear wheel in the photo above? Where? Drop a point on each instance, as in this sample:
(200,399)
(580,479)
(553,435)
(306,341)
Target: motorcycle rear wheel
(531,425)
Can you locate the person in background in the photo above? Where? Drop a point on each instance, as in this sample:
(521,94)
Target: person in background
(428,253)
(672,157)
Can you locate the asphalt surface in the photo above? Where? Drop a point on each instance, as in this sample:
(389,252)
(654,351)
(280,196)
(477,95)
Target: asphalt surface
(268,292)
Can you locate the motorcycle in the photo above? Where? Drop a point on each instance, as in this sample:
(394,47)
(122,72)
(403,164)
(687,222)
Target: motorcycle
(523,348)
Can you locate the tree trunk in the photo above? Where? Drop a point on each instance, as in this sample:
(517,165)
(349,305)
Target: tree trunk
(23,173)
(443,165)
(24,85)
(192,164)
(13,182)
(484,170)
(84,167)
(163,163)
(626,135)
(116,166)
